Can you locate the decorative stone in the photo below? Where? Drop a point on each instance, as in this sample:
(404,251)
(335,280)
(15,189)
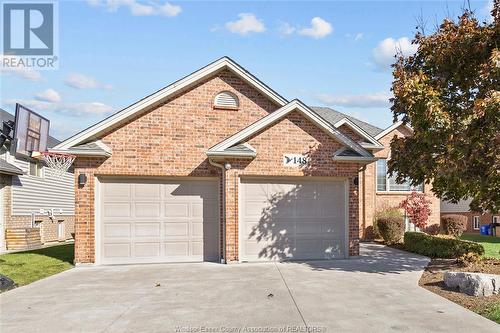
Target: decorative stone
(6,283)
(473,284)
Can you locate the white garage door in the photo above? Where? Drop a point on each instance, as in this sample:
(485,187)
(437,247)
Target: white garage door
(145,221)
(292,219)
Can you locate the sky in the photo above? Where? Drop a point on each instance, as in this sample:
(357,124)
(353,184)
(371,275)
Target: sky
(330,53)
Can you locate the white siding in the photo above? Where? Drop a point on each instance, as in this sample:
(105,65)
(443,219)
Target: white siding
(460,207)
(30,193)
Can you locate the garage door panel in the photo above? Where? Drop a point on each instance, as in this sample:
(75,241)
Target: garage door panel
(117,250)
(147,249)
(253,208)
(308,228)
(147,210)
(145,192)
(180,209)
(159,220)
(116,209)
(117,230)
(180,248)
(176,229)
(147,230)
(301,219)
(117,191)
(209,208)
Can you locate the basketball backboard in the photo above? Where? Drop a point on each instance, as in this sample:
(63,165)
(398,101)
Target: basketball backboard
(30,133)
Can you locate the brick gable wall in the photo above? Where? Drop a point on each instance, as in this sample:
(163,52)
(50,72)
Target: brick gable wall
(172,138)
(293,134)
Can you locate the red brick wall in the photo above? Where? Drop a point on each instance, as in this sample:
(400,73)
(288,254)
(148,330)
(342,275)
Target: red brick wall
(375,201)
(171,140)
(302,137)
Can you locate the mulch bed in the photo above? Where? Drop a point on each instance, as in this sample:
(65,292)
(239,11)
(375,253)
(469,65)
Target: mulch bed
(432,280)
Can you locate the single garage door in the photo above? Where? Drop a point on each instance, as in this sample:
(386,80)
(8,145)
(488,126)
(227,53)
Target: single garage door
(292,219)
(151,220)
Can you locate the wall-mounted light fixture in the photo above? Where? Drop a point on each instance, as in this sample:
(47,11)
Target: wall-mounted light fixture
(82,179)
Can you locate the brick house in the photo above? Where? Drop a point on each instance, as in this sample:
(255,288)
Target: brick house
(474,219)
(219,167)
(36,206)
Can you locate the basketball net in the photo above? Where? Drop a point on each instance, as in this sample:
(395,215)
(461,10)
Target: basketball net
(58,162)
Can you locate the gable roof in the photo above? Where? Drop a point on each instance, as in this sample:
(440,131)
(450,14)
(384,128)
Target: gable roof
(391,128)
(5,116)
(9,169)
(120,117)
(295,105)
(93,148)
(334,116)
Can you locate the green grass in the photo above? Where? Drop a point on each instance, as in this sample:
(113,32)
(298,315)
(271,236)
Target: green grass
(491,244)
(490,311)
(29,266)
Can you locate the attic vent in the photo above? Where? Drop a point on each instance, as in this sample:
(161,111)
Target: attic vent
(226,100)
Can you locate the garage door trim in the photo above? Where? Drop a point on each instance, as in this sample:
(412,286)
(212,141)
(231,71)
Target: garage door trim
(242,178)
(98,181)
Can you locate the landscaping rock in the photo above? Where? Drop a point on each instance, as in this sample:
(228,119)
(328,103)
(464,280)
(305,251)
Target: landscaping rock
(473,284)
(6,283)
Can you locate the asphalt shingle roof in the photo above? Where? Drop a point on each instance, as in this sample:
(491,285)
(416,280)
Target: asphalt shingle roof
(10,169)
(90,147)
(4,116)
(333,116)
(241,148)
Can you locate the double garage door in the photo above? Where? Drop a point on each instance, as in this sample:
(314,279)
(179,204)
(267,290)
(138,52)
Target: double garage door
(152,220)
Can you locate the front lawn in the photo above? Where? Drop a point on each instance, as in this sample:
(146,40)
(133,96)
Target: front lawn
(29,266)
(491,244)
(490,311)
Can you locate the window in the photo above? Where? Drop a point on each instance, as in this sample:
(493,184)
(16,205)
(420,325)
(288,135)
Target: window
(475,222)
(382,175)
(60,230)
(226,100)
(386,183)
(35,169)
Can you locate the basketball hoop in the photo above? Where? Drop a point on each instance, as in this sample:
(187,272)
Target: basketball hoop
(58,162)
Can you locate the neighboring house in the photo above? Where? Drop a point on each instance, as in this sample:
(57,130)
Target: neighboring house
(36,206)
(218,166)
(474,219)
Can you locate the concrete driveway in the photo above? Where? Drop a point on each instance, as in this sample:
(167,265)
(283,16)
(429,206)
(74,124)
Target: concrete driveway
(377,292)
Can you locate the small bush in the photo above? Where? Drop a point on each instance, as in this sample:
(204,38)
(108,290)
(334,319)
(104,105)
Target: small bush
(454,225)
(433,229)
(391,229)
(386,212)
(467,259)
(440,247)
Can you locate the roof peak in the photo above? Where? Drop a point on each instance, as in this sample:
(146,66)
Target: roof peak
(333,116)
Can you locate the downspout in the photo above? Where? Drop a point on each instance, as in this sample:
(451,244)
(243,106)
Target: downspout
(223,175)
(363,193)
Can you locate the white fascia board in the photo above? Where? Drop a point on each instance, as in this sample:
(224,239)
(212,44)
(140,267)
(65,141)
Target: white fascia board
(151,100)
(103,147)
(358,130)
(359,159)
(212,153)
(390,129)
(294,105)
(81,152)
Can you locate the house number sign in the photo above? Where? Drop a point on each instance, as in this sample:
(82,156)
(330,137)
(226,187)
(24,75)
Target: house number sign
(295,160)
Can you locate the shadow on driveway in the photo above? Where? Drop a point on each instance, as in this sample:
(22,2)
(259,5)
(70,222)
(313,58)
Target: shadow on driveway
(374,258)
